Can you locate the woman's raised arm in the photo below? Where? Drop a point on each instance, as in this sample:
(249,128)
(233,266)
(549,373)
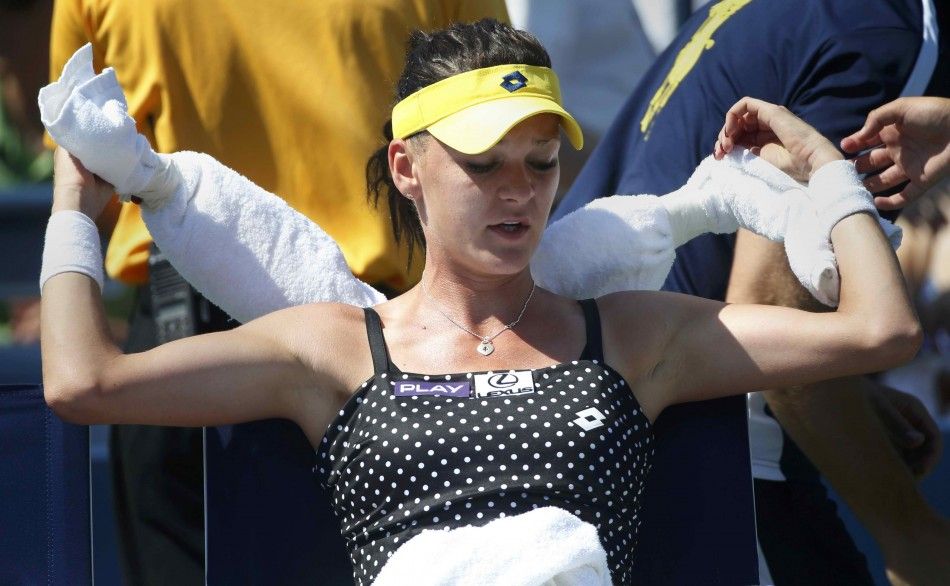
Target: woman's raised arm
(704,349)
(256,371)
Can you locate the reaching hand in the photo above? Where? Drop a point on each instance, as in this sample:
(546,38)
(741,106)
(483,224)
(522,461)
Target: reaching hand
(912,430)
(912,136)
(75,188)
(777,135)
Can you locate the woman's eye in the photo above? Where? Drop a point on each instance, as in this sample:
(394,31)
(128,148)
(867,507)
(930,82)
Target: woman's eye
(544,165)
(480,167)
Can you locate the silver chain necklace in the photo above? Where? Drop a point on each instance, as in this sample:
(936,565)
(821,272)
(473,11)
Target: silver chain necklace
(485,347)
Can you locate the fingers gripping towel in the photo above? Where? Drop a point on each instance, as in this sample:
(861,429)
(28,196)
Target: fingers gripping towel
(243,248)
(546,546)
(87,115)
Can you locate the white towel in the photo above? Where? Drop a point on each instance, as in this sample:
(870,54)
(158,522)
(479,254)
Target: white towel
(243,248)
(622,243)
(87,113)
(250,253)
(546,546)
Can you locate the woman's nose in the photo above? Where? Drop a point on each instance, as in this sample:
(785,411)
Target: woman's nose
(518,183)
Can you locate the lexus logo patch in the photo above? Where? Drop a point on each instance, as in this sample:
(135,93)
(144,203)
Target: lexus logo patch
(504,384)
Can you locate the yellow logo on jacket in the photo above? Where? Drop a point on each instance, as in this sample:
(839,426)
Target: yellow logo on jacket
(688,57)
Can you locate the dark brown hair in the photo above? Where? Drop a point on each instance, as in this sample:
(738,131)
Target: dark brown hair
(432,57)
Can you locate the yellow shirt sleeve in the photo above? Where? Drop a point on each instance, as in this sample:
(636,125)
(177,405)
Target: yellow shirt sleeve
(473,10)
(67,34)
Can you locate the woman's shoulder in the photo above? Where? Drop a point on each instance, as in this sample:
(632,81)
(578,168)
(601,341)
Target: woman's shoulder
(314,325)
(329,338)
(636,302)
(337,313)
(640,320)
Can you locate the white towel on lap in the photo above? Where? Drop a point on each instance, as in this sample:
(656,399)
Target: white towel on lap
(250,253)
(546,546)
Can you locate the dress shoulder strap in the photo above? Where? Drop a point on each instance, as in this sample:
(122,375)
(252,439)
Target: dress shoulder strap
(377,343)
(594,349)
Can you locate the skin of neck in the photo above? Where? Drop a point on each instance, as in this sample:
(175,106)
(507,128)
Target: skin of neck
(479,301)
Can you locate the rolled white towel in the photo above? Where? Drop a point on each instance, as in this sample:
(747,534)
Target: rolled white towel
(616,243)
(546,546)
(624,243)
(835,192)
(87,115)
(243,248)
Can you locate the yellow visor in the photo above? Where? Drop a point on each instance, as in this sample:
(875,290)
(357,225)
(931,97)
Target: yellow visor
(472,111)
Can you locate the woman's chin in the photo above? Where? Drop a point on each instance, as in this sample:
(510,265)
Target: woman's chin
(489,260)
(506,262)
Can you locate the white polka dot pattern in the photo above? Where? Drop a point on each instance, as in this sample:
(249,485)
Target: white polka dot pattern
(394,466)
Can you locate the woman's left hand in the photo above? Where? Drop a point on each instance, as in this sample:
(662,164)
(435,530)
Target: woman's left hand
(778,136)
(76,188)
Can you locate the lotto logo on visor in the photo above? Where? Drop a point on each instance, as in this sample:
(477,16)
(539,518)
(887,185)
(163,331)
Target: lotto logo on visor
(504,384)
(514,81)
(472,111)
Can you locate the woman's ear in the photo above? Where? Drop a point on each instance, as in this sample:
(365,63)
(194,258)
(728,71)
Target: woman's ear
(402,168)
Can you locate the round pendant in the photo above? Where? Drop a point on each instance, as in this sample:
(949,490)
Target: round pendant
(485,348)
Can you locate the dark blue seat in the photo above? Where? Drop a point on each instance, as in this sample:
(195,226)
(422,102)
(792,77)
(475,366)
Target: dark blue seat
(44,493)
(267,519)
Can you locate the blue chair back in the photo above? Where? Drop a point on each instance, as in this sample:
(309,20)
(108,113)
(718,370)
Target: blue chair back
(267,519)
(44,493)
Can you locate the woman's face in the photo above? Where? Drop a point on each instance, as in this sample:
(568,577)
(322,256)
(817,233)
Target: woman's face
(487,212)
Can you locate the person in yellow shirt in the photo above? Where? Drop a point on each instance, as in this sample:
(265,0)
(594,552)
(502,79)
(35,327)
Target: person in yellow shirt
(262,87)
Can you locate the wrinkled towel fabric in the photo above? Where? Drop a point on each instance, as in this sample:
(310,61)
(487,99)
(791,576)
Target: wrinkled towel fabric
(547,546)
(240,246)
(250,253)
(87,113)
(624,242)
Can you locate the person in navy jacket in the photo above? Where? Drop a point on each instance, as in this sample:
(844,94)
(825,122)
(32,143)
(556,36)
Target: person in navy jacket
(829,62)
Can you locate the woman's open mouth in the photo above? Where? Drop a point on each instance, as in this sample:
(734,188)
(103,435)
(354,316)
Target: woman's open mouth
(509,229)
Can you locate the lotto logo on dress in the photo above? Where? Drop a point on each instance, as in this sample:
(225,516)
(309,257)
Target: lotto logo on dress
(589,419)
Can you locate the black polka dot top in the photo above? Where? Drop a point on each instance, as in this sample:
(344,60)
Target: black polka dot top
(410,452)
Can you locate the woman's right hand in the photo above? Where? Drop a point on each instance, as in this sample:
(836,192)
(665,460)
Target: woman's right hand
(778,136)
(76,188)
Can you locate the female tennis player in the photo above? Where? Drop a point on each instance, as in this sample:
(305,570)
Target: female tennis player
(477,394)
